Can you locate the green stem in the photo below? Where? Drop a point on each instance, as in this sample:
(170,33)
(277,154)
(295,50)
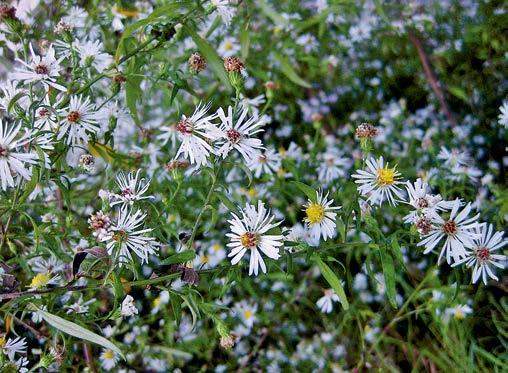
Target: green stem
(207,201)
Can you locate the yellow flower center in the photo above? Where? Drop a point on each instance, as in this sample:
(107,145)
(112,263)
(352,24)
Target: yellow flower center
(2,341)
(247,314)
(385,176)
(204,259)
(248,240)
(40,281)
(228,45)
(315,213)
(252,192)
(216,247)
(157,302)
(459,315)
(108,355)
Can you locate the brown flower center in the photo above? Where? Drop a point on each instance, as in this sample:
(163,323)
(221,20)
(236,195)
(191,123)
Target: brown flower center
(4,151)
(450,227)
(184,127)
(233,135)
(120,236)
(73,116)
(41,69)
(424,226)
(483,254)
(249,240)
(422,203)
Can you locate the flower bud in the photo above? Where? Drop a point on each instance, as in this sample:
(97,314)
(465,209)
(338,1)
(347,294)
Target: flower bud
(197,63)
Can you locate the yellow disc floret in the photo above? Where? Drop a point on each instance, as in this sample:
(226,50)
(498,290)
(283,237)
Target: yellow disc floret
(315,213)
(39,281)
(386,176)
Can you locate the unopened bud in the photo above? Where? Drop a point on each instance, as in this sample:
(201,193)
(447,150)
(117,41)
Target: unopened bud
(197,63)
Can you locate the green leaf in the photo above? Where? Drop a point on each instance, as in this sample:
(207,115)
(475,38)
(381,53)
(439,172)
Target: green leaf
(117,286)
(177,307)
(389,274)
(332,279)
(211,56)
(272,14)
(307,190)
(15,99)
(77,331)
(159,12)
(226,201)
(289,71)
(182,257)
(244,42)
(459,93)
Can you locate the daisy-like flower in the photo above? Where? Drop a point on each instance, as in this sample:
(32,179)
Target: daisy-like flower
(41,280)
(79,121)
(503,116)
(425,204)
(10,91)
(268,162)
(320,217)
(458,312)
(14,160)
(226,12)
(332,167)
(458,231)
(13,346)
(481,254)
(40,69)
(128,307)
(90,53)
(80,306)
(196,132)
(379,182)
(248,233)
(108,359)
(126,236)
(325,303)
(131,187)
(237,134)
(247,312)
(455,157)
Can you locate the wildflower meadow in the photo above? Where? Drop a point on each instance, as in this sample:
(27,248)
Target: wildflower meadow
(253,186)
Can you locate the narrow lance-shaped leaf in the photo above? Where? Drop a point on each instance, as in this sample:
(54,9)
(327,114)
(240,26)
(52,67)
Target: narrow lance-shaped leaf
(307,190)
(332,279)
(77,331)
(389,274)
(289,71)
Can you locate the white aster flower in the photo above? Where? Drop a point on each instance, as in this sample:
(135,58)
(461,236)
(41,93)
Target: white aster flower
(458,231)
(379,182)
(458,312)
(236,133)
(320,217)
(325,303)
(131,189)
(481,254)
(247,312)
(196,132)
(126,236)
(79,121)
(268,162)
(503,116)
(10,91)
(128,307)
(80,307)
(425,204)
(44,69)
(90,53)
(249,234)
(108,359)
(332,166)
(455,157)
(225,10)
(14,346)
(15,161)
